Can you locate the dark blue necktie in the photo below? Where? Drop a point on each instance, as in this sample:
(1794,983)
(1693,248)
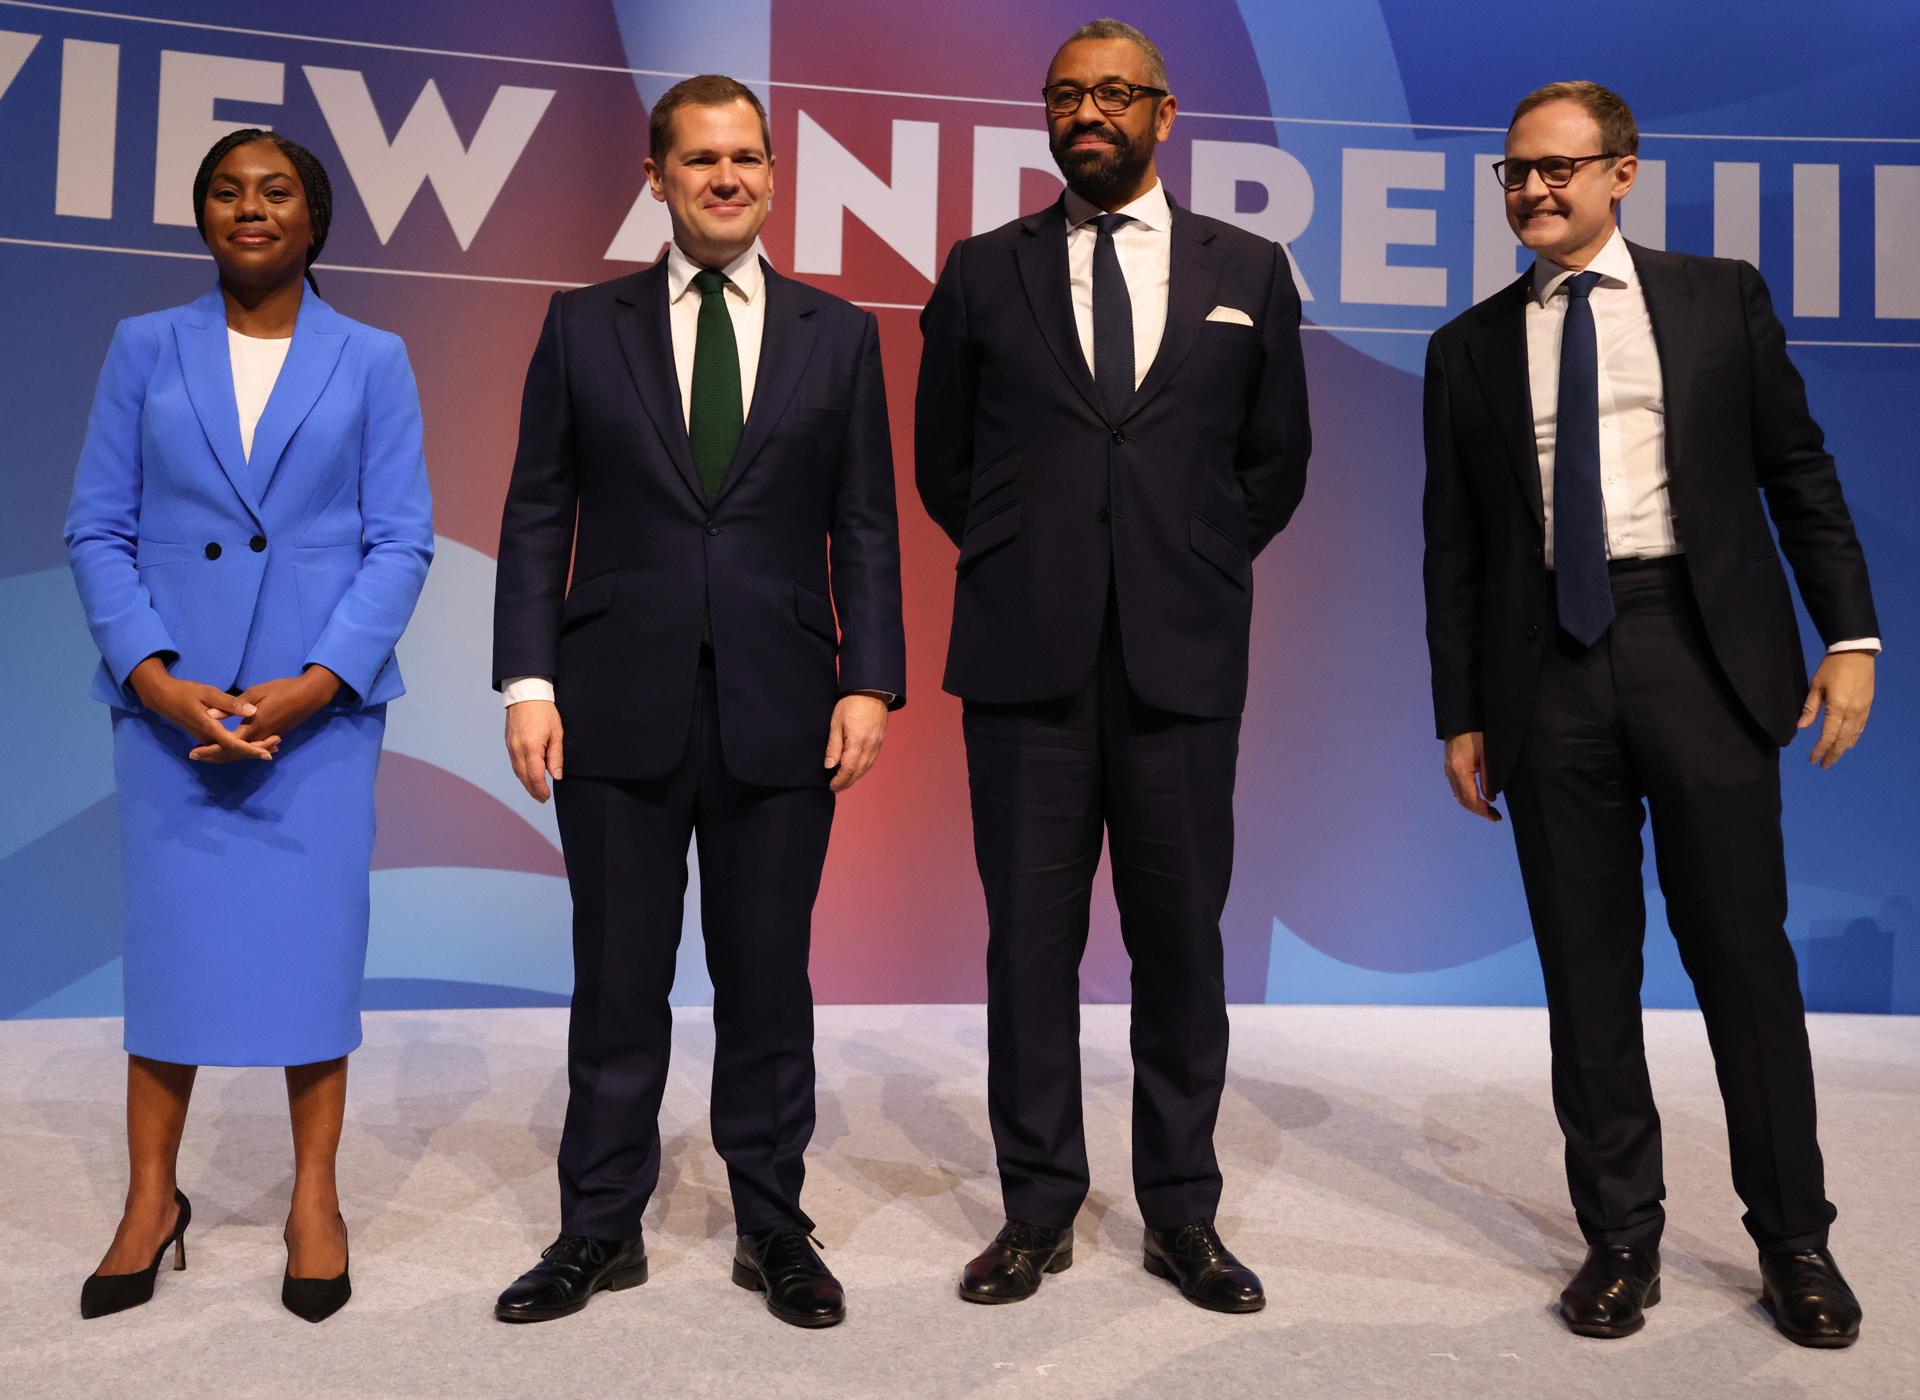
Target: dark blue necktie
(1112,323)
(1582,592)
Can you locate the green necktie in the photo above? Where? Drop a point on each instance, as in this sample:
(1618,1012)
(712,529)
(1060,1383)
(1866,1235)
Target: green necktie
(713,413)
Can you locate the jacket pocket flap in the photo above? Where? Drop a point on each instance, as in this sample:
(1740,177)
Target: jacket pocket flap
(815,613)
(989,535)
(1212,545)
(588,599)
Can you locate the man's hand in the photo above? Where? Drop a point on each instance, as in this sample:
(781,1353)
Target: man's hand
(198,709)
(854,737)
(275,708)
(1844,684)
(1467,773)
(534,736)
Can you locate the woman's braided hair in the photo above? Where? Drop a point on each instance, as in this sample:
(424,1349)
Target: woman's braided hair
(313,180)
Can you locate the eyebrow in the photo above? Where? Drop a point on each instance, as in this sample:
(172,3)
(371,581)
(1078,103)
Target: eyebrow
(710,151)
(1108,78)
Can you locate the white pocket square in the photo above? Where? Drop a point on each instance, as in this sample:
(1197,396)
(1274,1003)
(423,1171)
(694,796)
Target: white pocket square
(1232,316)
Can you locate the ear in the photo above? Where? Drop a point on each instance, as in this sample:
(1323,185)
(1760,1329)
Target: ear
(654,176)
(1163,119)
(1625,171)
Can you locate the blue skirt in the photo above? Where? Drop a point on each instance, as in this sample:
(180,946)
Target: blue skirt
(245,886)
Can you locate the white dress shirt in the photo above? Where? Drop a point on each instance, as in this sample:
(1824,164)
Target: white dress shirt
(1633,425)
(1145,249)
(256,369)
(747,308)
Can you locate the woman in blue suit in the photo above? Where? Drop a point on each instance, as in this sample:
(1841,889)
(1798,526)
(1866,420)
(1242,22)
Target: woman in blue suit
(250,529)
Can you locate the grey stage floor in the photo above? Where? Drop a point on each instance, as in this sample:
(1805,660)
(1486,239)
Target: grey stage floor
(1393,1173)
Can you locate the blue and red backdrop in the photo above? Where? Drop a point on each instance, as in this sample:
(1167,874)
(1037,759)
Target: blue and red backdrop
(486,153)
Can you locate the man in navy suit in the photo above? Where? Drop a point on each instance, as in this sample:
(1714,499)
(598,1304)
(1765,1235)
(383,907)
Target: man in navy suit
(703,440)
(1111,425)
(1611,635)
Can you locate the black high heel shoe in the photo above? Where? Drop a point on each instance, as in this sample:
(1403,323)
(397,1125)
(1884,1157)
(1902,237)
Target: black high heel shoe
(316,1299)
(111,1293)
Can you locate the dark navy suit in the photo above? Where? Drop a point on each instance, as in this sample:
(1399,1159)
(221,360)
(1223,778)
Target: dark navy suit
(667,738)
(1102,602)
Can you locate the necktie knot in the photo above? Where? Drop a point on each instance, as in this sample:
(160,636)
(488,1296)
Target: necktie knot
(1581,284)
(1107,224)
(709,283)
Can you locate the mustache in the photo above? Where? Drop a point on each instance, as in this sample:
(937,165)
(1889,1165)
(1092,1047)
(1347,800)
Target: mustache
(1104,133)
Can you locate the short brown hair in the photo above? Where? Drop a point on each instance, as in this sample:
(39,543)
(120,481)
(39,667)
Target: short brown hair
(1618,131)
(706,90)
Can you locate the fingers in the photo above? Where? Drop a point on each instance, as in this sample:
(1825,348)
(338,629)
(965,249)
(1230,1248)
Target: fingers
(1829,748)
(218,703)
(1839,734)
(1809,710)
(836,742)
(859,752)
(1465,780)
(533,748)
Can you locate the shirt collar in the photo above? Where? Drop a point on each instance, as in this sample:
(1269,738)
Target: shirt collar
(1613,262)
(743,274)
(1150,209)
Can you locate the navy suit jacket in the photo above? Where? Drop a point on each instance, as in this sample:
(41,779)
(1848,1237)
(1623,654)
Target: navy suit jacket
(240,570)
(1740,446)
(1052,505)
(604,477)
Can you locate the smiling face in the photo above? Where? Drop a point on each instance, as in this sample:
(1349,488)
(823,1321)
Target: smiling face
(716,179)
(1107,158)
(258,226)
(1567,226)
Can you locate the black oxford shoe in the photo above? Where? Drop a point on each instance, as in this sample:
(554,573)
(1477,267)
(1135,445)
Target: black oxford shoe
(1811,1304)
(1009,1269)
(1208,1274)
(1610,1294)
(571,1270)
(800,1288)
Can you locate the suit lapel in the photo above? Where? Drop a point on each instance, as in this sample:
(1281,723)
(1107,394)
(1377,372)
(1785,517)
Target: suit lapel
(317,342)
(1499,353)
(207,367)
(1663,284)
(646,341)
(1042,256)
(1193,275)
(786,345)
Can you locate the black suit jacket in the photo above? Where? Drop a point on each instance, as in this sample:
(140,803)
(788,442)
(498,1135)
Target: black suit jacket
(1737,431)
(1048,501)
(604,475)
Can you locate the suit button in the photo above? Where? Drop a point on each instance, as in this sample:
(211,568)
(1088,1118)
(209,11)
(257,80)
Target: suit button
(257,544)
(213,550)
(1105,515)
(1119,438)
(1533,630)
(712,529)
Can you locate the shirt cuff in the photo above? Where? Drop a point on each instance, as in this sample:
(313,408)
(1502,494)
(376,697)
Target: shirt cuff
(1871,644)
(518,688)
(887,697)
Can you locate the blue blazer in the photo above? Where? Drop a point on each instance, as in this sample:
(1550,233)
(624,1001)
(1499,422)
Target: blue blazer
(239,570)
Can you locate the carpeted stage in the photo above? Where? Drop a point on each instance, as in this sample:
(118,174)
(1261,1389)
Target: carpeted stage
(1394,1175)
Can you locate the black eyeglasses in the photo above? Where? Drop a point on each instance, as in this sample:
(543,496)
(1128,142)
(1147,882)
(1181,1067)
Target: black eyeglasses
(1064,99)
(1555,171)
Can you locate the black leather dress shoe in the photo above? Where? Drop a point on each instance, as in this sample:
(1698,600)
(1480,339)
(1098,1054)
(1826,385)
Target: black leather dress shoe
(1009,1269)
(1811,1304)
(800,1288)
(571,1270)
(1208,1274)
(1610,1294)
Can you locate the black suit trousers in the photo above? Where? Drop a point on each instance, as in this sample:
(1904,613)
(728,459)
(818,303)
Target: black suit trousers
(761,851)
(1046,778)
(1646,715)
